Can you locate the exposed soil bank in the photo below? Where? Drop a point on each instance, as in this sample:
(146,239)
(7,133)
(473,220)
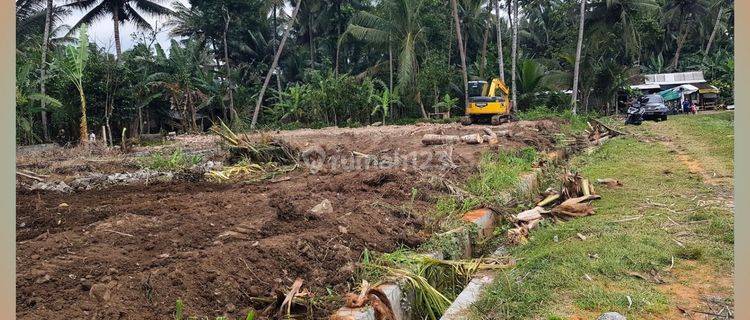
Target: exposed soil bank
(128,252)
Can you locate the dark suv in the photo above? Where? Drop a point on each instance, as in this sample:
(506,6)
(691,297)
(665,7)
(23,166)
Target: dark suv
(654,107)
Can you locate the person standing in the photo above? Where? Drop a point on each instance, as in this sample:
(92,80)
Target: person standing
(686,105)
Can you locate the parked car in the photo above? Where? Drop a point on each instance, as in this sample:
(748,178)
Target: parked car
(654,107)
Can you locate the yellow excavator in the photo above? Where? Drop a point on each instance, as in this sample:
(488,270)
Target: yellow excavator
(488,101)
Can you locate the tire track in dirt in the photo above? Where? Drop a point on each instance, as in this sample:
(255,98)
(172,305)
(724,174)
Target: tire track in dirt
(697,287)
(697,158)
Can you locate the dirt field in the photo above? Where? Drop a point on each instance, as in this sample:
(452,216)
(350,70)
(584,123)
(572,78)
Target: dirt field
(130,251)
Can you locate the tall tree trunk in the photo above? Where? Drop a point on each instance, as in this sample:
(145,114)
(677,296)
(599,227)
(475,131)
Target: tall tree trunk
(484,50)
(224,114)
(713,33)
(338,36)
(450,43)
(230,91)
(312,44)
(83,127)
(680,43)
(461,52)
(514,53)
(574,94)
(338,49)
(116,20)
(390,66)
(273,66)
(500,61)
(43,76)
(275,30)
(421,105)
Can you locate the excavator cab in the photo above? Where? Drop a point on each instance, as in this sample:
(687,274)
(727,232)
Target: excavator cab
(487,101)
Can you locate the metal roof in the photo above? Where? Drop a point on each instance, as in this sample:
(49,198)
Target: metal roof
(645,86)
(675,78)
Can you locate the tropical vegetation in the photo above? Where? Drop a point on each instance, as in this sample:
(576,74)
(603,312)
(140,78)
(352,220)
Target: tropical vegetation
(311,63)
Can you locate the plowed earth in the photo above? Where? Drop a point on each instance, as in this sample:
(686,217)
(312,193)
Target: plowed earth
(130,251)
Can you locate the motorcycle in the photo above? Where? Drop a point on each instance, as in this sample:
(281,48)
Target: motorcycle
(635,114)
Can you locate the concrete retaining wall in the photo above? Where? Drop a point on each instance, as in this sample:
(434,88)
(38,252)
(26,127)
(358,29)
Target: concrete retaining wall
(485,221)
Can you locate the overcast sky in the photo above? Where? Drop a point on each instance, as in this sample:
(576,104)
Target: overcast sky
(102,31)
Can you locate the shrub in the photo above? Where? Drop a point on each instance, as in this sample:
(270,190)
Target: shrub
(178,160)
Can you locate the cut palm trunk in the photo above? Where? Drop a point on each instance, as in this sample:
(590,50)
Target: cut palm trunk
(472,139)
(436,139)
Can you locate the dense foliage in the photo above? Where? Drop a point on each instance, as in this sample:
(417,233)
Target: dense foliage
(348,62)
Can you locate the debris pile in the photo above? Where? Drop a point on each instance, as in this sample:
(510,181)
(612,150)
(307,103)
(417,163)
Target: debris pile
(571,201)
(267,150)
(599,132)
(375,297)
(486,136)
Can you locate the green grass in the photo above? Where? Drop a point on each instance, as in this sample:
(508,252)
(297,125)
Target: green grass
(574,124)
(707,138)
(176,161)
(500,172)
(550,278)
(714,131)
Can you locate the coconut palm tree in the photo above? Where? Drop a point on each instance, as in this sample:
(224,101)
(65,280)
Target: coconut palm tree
(183,79)
(620,17)
(514,54)
(500,62)
(120,11)
(30,15)
(399,27)
(719,5)
(685,12)
(574,95)
(273,65)
(459,39)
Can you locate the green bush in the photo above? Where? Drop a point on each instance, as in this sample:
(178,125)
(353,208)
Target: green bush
(176,161)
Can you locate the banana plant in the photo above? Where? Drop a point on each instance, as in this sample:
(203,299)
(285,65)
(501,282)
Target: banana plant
(26,110)
(384,100)
(446,104)
(71,62)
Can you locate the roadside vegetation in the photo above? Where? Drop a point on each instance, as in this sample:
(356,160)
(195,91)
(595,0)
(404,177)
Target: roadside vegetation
(663,233)
(175,161)
(345,63)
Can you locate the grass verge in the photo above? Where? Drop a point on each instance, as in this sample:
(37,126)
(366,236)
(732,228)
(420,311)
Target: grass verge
(177,160)
(630,243)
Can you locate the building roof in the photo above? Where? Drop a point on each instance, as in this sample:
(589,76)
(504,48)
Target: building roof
(707,88)
(675,78)
(645,86)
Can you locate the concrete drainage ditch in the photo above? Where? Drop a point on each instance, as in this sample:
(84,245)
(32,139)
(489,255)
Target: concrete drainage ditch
(484,222)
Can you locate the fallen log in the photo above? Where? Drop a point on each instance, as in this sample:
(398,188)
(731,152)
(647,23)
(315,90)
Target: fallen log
(619,133)
(586,187)
(531,214)
(29,176)
(437,139)
(549,199)
(575,207)
(472,139)
(490,136)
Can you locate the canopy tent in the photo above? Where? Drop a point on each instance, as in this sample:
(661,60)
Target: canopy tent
(670,94)
(686,89)
(677,92)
